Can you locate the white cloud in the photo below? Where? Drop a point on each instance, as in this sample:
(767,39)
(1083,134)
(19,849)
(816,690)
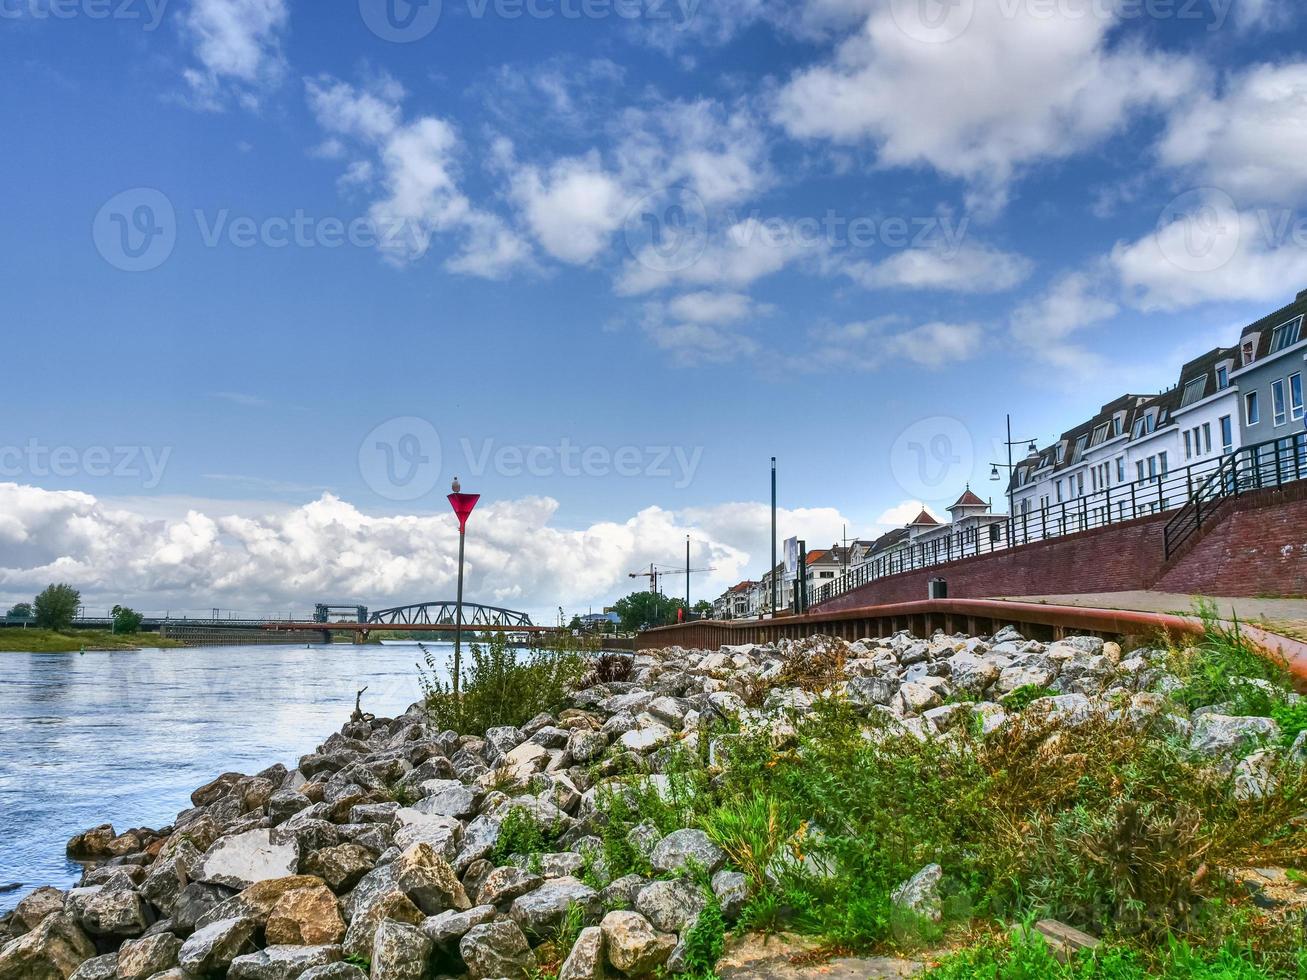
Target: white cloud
(708,307)
(1012,89)
(573,207)
(702,327)
(870,345)
(1250,141)
(413,169)
(1043,325)
(291,557)
(238,46)
(968,269)
(746,253)
(900,514)
(1238,256)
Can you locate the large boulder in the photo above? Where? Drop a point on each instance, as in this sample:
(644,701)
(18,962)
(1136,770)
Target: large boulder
(212,948)
(447,928)
(39,905)
(342,866)
(241,860)
(1223,735)
(919,895)
(141,959)
(283,962)
(393,905)
(632,943)
(497,949)
(116,913)
(98,968)
(686,851)
(257,901)
(669,905)
(399,952)
(543,911)
(51,951)
(586,960)
(505,884)
(306,917)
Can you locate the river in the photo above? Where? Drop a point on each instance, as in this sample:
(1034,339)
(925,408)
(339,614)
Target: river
(124,738)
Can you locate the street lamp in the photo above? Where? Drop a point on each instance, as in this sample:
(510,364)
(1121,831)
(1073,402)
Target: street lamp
(1031,450)
(463,503)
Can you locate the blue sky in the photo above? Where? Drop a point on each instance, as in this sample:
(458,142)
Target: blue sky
(878,234)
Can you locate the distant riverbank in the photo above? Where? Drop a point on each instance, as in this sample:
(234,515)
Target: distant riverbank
(52,641)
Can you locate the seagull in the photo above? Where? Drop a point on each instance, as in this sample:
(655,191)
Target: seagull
(457,487)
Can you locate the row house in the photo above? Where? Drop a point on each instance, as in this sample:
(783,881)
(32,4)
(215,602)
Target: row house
(1272,358)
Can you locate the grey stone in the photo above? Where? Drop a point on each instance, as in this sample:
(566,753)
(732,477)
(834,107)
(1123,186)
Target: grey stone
(447,928)
(497,949)
(669,905)
(449,798)
(585,746)
(542,911)
(100,968)
(863,692)
(687,850)
(399,952)
(505,884)
(283,962)
(633,945)
(732,892)
(214,947)
(335,971)
(140,959)
(586,960)
(1223,735)
(112,913)
(240,860)
(920,893)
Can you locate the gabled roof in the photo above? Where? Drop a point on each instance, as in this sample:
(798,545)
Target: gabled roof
(816,556)
(968,499)
(924,518)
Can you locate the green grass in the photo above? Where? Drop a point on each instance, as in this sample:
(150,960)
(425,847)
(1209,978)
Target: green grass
(50,641)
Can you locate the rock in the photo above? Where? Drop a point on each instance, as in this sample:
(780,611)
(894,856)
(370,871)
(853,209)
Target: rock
(283,962)
(439,832)
(1013,678)
(112,913)
(971,674)
(541,912)
(243,859)
(1064,942)
(93,843)
(194,902)
(51,951)
(644,740)
(362,929)
(36,907)
(621,893)
(100,968)
(449,798)
(336,971)
(504,738)
(1223,735)
(213,947)
(447,928)
(141,959)
(428,880)
(497,949)
(586,746)
(920,893)
(306,917)
(687,850)
(399,952)
(1254,776)
(633,945)
(864,692)
(916,696)
(669,905)
(1298,751)
(257,901)
(586,960)
(342,866)
(505,884)
(732,892)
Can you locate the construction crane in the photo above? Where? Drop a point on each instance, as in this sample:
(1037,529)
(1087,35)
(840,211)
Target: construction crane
(657,571)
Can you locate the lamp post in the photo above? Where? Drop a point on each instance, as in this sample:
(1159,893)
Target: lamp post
(463,503)
(1011,468)
(775,583)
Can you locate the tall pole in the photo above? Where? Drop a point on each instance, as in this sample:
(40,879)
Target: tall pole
(1011,505)
(775,582)
(687,578)
(458,615)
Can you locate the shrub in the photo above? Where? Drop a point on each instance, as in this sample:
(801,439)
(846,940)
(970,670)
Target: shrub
(608,668)
(1020,699)
(705,942)
(1292,719)
(499,686)
(519,833)
(1220,667)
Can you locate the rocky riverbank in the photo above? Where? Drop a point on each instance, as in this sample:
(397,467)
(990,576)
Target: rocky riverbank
(398,852)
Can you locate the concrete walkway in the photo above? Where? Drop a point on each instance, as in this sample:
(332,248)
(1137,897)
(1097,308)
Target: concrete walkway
(788,957)
(1287,617)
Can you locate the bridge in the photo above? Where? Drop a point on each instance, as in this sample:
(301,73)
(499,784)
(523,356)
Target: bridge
(328,619)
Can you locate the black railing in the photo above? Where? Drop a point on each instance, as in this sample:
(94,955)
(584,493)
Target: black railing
(1266,465)
(1187,490)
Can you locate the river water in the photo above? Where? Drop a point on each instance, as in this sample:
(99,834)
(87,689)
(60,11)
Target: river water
(124,738)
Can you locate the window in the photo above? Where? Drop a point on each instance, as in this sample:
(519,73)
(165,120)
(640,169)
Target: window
(1194,391)
(1280,414)
(1161,463)
(1227,434)
(1222,378)
(1137,430)
(1100,435)
(1188,445)
(1248,351)
(1286,335)
(1252,412)
(1152,467)
(1120,469)
(1295,396)
(1080,448)
(1207,437)
(1061,452)
(1080,481)
(1139,469)
(1116,424)
(1059,491)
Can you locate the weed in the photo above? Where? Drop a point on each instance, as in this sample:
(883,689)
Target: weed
(1020,699)
(1292,719)
(704,942)
(519,833)
(1224,668)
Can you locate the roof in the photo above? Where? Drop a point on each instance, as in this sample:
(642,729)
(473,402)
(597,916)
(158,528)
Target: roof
(923,518)
(968,499)
(816,556)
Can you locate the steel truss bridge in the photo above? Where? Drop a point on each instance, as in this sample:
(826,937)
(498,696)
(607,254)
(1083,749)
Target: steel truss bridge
(443,614)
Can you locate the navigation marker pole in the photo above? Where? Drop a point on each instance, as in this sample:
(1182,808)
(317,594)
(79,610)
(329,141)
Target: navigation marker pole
(463,503)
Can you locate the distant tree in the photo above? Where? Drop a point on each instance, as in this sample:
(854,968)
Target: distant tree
(56,607)
(703,608)
(642,610)
(21,611)
(126,620)
(576,623)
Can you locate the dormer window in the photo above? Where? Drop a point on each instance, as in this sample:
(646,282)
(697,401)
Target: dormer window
(1100,435)
(1222,378)
(1248,351)
(1194,391)
(1061,452)
(1080,448)
(1144,425)
(1117,422)
(1286,335)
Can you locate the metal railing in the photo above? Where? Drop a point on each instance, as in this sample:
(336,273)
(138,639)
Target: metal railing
(1266,465)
